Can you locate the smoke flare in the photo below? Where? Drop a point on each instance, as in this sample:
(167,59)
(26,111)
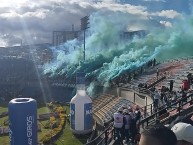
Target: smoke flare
(108,55)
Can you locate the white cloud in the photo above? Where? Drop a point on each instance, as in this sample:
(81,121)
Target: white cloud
(155,0)
(41,13)
(8,3)
(166,23)
(43,17)
(10,14)
(167,14)
(127,8)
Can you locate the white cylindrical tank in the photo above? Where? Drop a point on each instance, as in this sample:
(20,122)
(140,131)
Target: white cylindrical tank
(81,116)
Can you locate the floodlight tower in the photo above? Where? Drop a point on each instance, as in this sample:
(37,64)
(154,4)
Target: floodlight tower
(84,26)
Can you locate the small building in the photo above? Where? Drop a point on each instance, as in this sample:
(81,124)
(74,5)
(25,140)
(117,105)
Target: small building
(60,37)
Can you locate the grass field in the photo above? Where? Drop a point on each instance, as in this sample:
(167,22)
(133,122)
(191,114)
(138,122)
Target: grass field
(3,108)
(67,138)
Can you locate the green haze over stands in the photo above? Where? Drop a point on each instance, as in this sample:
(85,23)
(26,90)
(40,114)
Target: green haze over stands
(108,55)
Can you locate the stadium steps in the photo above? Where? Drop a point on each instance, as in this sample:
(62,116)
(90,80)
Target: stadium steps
(171,113)
(179,74)
(105,113)
(101,101)
(178,79)
(151,78)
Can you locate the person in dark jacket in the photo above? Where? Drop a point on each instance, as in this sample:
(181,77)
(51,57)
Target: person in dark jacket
(171,85)
(157,135)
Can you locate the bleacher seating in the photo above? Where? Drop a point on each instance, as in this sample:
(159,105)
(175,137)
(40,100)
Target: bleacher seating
(176,70)
(105,112)
(101,101)
(179,74)
(105,106)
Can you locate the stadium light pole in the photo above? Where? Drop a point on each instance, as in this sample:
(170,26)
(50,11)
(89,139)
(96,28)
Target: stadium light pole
(84,26)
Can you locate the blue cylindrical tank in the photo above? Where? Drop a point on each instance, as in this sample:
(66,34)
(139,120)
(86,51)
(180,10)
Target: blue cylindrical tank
(81,109)
(23,121)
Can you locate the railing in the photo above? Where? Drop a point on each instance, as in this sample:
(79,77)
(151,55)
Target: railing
(143,91)
(148,108)
(107,135)
(155,115)
(146,91)
(160,78)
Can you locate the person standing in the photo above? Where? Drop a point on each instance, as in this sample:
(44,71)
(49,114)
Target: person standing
(185,85)
(154,62)
(127,119)
(156,98)
(189,77)
(118,125)
(137,117)
(131,113)
(157,72)
(184,95)
(171,85)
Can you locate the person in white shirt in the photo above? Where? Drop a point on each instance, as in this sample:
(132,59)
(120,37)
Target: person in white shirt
(118,125)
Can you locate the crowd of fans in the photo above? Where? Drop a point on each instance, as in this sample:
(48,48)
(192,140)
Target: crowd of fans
(165,96)
(127,129)
(179,132)
(126,124)
(127,76)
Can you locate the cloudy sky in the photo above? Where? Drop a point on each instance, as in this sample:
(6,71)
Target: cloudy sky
(33,21)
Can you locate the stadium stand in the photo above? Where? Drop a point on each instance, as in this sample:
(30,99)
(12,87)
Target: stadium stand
(176,70)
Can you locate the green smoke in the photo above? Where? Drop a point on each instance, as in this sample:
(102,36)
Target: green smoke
(108,56)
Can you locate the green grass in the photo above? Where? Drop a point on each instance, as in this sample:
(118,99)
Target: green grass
(68,138)
(42,110)
(4,140)
(2,120)
(3,109)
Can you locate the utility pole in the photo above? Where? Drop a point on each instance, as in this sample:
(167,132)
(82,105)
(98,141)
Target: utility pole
(84,26)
